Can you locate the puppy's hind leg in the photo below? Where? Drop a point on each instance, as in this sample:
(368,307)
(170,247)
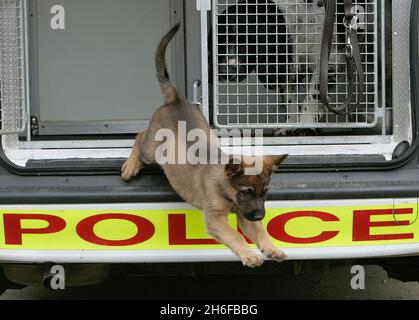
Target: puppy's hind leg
(257,233)
(133,165)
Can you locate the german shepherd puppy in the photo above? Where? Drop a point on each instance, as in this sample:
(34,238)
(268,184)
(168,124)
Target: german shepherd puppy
(216,189)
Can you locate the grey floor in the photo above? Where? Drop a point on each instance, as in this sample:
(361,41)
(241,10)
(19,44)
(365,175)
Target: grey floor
(333,284)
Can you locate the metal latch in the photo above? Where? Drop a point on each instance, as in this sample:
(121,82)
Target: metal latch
(197,98)
(204,5)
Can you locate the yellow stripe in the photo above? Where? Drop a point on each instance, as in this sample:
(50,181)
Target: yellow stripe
(305,227)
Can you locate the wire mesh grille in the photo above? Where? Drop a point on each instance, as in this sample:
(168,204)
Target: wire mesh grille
(265,64)
(12,67)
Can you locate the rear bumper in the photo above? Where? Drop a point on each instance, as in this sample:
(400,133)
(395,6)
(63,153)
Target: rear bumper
(116,257)
(175,232)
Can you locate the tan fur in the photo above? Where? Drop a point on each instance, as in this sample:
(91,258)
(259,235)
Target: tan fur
(170,93)
(206,187)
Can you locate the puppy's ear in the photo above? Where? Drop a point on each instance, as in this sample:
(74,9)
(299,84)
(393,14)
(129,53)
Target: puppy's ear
(234,168)
(272,163)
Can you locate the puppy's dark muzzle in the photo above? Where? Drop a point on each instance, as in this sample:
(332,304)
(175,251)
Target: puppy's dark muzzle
(255,216)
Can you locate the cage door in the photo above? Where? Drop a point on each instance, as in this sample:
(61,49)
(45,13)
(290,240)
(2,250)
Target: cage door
(13,77)
(264,65)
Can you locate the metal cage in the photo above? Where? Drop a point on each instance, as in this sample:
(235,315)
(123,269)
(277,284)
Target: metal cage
(265,60)
(13,77)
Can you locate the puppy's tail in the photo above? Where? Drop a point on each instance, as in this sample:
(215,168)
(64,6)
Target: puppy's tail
(170,92)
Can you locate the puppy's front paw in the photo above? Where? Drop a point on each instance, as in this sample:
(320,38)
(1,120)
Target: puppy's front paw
(130,169)
(251,260)
(275,254)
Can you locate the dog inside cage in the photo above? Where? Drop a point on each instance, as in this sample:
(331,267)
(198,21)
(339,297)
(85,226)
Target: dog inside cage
(265,60)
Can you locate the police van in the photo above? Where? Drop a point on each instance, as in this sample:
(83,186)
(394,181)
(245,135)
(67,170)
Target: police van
(77,82)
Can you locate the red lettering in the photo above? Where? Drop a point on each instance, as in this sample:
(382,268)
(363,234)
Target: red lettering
(244,236)
(13,230)
(276,227)
(363,225)
(85,230)
(177,232)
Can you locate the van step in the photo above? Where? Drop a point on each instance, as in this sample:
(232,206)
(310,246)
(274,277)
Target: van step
(117,163)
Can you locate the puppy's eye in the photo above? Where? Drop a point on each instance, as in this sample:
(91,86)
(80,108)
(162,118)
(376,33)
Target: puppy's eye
(249,192)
